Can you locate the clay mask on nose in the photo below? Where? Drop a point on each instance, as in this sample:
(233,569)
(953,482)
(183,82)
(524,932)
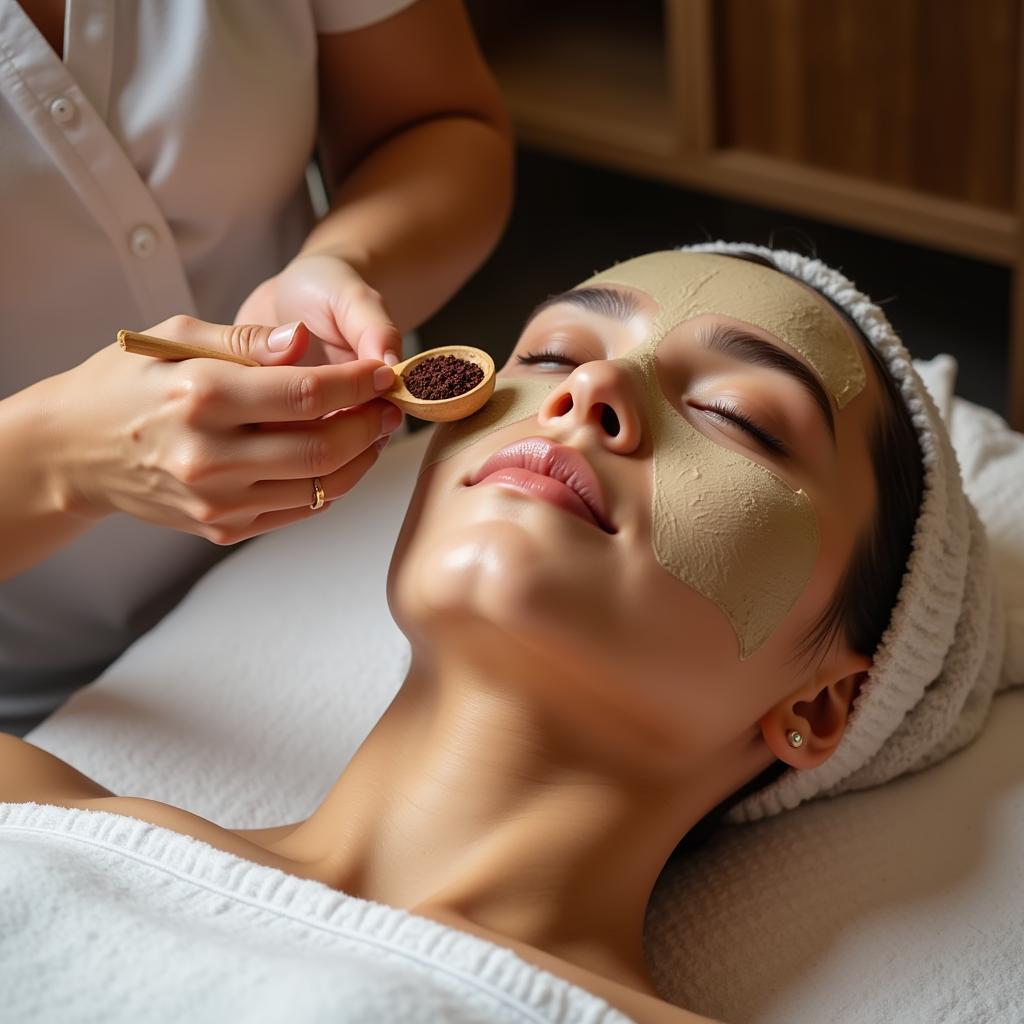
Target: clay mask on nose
(721,523)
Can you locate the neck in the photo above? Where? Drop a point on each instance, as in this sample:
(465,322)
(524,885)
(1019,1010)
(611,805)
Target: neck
(497,802)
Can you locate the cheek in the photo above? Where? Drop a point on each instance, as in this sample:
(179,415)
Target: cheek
(730,529)
(514,400)
(723,524)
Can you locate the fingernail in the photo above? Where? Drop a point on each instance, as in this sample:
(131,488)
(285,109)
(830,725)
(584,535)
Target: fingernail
(390,358)
(391,420)
(383,378)
(382,442)
(281,337)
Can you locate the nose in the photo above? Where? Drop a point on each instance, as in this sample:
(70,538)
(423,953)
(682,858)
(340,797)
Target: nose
(600,396)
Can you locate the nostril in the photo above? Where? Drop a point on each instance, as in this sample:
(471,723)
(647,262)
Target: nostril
(564,405)
(610,421)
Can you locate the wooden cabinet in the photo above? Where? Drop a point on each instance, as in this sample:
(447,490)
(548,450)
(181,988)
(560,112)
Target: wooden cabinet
(898,117)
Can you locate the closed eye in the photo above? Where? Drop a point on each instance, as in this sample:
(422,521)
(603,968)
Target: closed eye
(725,411)
(539,358)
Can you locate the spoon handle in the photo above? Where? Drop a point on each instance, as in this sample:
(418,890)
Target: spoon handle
(161,348)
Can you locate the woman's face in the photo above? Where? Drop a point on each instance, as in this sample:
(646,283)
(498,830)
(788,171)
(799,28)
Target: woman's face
(661,515)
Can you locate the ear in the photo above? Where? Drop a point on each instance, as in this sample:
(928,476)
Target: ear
(818,711)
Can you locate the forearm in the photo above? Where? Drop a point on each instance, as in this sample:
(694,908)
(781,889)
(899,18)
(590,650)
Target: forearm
(421,212)
(36,513)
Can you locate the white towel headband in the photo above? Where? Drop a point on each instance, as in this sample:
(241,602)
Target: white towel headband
(938,663)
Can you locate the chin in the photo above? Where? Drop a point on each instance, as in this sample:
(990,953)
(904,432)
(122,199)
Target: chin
(493,571)
(467,555)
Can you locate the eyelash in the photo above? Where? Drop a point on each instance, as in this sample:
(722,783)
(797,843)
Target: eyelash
(730,412)
(532,358)
(722,409)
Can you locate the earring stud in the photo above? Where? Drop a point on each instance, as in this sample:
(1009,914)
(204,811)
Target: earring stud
(795,738)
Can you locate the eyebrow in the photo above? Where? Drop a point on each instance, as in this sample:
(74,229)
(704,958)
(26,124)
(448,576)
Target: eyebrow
(758,352)
(609,302)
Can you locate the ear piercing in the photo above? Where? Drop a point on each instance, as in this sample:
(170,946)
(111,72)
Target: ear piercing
(795,738)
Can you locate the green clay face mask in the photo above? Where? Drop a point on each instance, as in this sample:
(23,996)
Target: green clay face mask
(721,523)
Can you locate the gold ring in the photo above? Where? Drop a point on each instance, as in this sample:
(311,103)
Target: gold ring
(319,497)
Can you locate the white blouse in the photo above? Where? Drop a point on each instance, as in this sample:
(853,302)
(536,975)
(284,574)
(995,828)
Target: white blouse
(159,169)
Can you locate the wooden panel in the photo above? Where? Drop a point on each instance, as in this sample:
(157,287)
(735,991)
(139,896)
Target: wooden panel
(594,68)
(868,206)
(688,31)
(920,94)
(1015,399)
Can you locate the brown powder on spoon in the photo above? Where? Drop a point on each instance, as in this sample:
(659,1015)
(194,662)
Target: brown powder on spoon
(442,377)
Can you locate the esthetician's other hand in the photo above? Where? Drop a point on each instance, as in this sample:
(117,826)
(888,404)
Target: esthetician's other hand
(332,299)
(211,447)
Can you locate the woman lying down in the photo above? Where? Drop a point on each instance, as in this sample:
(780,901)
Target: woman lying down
(704,553)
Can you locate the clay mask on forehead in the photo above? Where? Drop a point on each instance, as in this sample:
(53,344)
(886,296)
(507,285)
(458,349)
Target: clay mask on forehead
(721,523)
(690,284)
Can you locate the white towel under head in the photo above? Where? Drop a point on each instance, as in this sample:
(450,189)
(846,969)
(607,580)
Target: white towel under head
(939,662)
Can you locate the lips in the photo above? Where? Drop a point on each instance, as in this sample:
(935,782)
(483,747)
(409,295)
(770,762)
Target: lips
(553,472)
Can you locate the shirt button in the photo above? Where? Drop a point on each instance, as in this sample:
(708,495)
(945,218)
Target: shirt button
(62,110)
(95,27)
(142,241)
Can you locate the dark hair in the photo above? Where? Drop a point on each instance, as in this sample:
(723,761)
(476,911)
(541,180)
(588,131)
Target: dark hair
(863,601)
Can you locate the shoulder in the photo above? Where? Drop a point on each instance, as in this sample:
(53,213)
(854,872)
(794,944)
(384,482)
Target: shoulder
(29,773)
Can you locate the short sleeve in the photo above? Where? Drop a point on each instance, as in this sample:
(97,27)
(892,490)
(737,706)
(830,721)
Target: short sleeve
(347,15)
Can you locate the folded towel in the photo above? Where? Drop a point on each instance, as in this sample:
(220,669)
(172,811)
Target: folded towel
(107,918)
(902,904)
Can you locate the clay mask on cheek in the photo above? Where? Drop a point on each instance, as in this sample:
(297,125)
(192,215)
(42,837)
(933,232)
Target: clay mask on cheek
(723,524)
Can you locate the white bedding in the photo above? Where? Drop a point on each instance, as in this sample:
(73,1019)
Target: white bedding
(901,904)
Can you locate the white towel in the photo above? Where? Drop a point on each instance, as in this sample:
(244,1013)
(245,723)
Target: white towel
(106,918)
(902,904)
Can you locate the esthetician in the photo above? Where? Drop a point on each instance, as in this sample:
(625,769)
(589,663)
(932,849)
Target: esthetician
(155,180)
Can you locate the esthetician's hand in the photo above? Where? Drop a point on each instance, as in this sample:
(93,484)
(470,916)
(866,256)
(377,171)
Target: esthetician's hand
(211,447)
(339,307)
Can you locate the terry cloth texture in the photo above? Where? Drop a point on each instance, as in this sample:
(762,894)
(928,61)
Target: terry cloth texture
(939,662)
(107,918)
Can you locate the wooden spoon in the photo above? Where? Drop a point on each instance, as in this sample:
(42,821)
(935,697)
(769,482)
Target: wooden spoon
(439,410)
(442,410)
